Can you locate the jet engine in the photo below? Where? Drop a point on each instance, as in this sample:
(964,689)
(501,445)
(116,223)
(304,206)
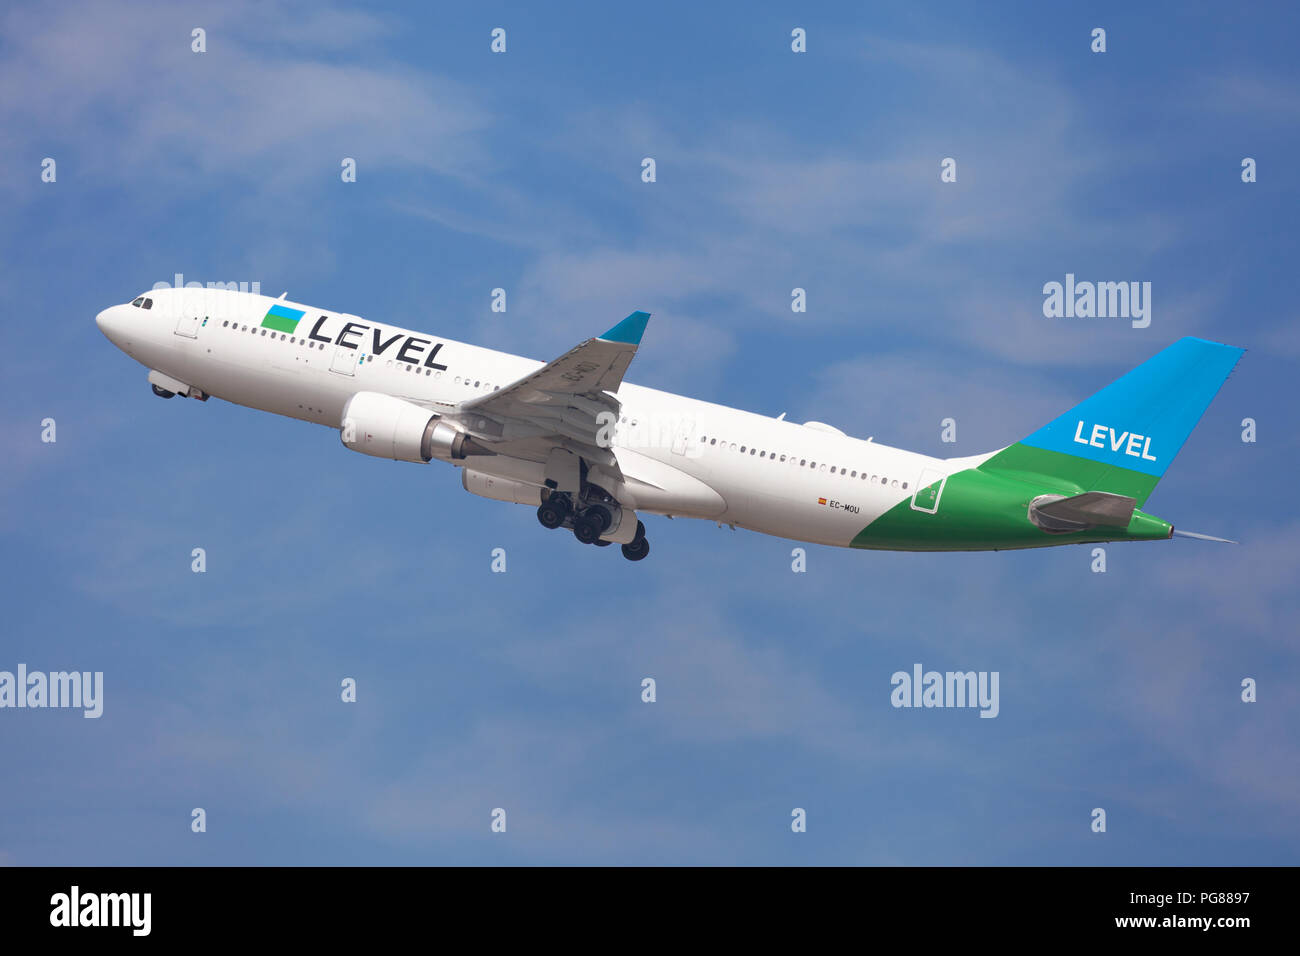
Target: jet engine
(388,427)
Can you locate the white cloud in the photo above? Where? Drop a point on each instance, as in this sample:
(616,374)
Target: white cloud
(119,88)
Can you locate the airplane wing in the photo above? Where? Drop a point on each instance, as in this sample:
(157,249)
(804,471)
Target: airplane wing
(562,402)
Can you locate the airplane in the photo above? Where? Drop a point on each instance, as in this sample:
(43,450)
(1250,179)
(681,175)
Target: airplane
(593,453)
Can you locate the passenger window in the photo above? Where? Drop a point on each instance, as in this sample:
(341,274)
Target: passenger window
(762,454)
(823,468)
(853,474)
(802,462)
(783,457)
(742,449)
(832,469)
(904,486)
(713,441)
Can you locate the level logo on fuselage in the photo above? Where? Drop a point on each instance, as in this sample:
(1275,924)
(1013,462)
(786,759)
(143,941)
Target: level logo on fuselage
(411,350)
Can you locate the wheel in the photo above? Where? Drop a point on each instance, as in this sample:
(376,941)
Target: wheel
(162,392)
(549,515)
(560,502)
(602,543)
(637,550)
(587,530)
(601,515)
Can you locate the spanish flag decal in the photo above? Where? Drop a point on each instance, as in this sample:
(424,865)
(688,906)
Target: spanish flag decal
(821,501)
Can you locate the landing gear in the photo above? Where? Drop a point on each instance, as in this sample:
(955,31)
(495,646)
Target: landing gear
(550,514)
(587,528)
(639,547)
(590,517)
(162,392)
(637,550)
(601,515)
(554,510)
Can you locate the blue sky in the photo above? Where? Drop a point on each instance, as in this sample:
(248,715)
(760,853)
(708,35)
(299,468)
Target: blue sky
(522,690)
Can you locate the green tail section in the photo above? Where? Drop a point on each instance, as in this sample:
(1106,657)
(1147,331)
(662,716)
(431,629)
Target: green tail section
(1068,474)
(982,509)
(1119,441)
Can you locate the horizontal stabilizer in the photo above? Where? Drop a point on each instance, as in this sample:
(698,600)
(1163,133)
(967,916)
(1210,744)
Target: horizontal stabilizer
(1057,514)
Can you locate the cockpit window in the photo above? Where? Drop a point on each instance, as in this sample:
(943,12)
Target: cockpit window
(137,302)
(148,303)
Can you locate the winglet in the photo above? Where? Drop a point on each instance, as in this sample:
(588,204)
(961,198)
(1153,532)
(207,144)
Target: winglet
(630,330)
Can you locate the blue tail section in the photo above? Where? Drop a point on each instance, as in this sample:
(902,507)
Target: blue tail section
(1141,421)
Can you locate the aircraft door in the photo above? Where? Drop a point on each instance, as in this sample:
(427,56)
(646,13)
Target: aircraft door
(188,324)
(345,361)
(929,489)
(682,436)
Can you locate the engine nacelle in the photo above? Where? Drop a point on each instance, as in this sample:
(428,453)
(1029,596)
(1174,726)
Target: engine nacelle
(500,489)
(387,427)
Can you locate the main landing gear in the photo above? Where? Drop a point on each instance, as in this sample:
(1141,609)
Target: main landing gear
(162,392)
(589,523)
(638,547)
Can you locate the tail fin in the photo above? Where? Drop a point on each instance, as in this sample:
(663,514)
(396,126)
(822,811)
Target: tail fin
(1123,438)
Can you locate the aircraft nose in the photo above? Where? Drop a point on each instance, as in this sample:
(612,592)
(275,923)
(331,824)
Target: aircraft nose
(111,323)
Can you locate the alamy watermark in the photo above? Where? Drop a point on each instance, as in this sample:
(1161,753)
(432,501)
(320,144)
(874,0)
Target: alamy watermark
(1098,300)
(179,282)
(922,688)
(36,689)
(129,910)
(648,432)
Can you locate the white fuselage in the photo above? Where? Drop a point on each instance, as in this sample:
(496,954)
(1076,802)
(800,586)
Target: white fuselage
(769,475)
